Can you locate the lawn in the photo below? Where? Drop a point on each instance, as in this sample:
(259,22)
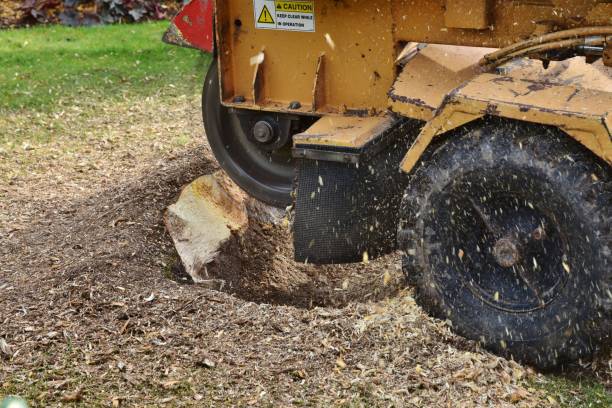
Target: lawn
(574,391)
(49,68)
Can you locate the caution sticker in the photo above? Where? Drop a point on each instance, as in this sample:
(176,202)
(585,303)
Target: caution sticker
(289,15)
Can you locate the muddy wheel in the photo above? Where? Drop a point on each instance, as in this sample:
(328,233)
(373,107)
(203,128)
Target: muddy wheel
(506,233)
(253,147)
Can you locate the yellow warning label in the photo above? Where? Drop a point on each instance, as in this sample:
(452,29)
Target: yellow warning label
(286,15)
(265,17)
(294,6)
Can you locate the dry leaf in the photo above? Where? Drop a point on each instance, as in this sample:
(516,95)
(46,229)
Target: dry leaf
(75,396)
(472,387)
(386,278)
(206,363)
(5,349)
(518,373)
(519,394)
(345,284)
(168,385)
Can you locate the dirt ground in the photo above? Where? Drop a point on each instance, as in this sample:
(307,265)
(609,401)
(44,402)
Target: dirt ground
(92,312)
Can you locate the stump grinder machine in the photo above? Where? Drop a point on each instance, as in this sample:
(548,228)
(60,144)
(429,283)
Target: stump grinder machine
(474,136)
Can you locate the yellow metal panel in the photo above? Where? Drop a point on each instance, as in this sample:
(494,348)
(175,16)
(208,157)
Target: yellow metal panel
(355,37)
(446,120)
(582,113)
(467,14)
(529,95)
(575,72)
(607,55)
(430,75)
(343,131)
(347,64)
(600,13)
(510,21)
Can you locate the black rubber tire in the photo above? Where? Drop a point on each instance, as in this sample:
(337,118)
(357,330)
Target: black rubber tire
(243,164)
(558,178)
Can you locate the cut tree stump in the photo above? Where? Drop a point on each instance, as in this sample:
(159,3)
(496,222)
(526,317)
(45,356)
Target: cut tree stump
(208,214)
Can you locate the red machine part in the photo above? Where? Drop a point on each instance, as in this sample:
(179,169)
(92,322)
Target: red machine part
(193,26)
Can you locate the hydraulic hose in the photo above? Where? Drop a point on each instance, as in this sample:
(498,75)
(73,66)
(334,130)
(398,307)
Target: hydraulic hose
(556,40)
(554,45)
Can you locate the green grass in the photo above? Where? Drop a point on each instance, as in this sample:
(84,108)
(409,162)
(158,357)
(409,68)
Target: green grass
(575,393)
(47,68)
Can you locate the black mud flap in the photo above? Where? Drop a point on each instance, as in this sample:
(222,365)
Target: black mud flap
(347,200)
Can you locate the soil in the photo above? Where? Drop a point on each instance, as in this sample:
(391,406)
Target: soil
(93,309)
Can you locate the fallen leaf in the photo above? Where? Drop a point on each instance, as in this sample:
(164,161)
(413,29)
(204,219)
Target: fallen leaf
(58,384)
(472,387)
(168,385)
(518,395)
(75,396)
(386,278)
(299,374)
(5,349)
(518,373)
(345,284)
(206,363)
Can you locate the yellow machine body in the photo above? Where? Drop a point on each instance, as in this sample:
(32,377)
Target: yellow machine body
(365,58)
(572,95)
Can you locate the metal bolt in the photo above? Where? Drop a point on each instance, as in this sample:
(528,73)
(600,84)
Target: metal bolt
(263,132)
(506,252)
(295,105)
(239,99)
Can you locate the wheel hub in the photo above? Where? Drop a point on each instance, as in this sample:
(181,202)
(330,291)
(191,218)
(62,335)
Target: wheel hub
(263,132)
(506,252)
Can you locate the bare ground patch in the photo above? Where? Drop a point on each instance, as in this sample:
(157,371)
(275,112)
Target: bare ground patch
(89,313)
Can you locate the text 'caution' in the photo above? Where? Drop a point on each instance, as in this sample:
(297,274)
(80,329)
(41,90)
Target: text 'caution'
(289,15)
